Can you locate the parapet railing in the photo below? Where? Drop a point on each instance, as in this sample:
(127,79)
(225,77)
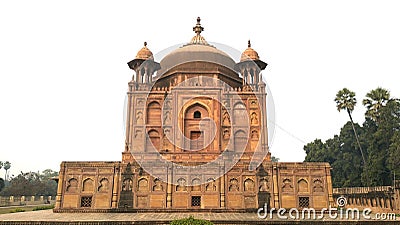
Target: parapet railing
(362,190)
(26,200)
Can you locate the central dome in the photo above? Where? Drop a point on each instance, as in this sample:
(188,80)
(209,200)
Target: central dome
(193,53)
(196,50)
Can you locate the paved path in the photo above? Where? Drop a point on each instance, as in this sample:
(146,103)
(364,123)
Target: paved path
(48,215)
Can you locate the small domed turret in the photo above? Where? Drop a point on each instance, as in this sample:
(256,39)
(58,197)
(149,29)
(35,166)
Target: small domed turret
(144,65)
(249,53)
(250,66)
(144,53)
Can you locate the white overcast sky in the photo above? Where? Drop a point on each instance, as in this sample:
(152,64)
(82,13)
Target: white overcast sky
(63,71)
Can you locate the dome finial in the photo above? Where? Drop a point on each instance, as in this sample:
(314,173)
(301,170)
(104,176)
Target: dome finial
(198,39)
(198,28)
(145,43)
(248,44)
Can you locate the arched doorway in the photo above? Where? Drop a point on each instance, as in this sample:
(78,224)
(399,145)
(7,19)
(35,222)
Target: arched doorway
(194,127)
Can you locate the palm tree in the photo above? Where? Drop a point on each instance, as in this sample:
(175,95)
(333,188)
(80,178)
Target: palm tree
(7,166)
(274,159)
(374,101)
(345,99)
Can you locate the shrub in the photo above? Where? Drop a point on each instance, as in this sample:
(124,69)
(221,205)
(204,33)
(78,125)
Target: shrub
(43,207)
(17,210)
(190,221)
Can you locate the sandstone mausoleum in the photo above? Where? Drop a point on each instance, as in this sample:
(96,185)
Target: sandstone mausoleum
(196,140)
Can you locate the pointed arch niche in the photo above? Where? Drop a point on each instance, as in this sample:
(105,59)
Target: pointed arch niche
(195,127)
(153,116)
(240,116)
(302,185)
(88,185)
(240,140)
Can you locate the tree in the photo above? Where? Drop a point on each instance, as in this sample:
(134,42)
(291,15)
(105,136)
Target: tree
(346,100)
(394,154)
(374,101)
(7,166)
(2,184)
(342,153)
(349,158)
(383,144)
(274,159)
(316,151)
(49,186)
(1,165)
(32,183)
(379,136)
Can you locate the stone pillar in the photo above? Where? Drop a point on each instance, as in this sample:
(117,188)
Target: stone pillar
(22,199)
(243,80)
(42,198)
(276,190)
(11,199)
(329,186)
(169,187)
(114,198)
(60,186)
(147,75)
(222,191)
(32,198)
(392,204)
(129,116)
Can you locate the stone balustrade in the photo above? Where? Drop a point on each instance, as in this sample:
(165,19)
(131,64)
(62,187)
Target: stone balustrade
(362,190)
(25,200)
(382,198)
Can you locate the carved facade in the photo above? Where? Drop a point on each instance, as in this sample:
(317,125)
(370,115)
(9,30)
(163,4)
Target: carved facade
(196,138)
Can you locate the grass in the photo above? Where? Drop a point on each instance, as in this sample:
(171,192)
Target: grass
(190,221)
(4,210)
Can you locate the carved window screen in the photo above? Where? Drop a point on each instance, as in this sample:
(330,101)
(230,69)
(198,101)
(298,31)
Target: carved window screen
(304,202)
(196,200)
(86,201)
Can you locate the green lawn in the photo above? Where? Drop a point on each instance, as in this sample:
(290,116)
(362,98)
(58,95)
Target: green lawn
(16,209)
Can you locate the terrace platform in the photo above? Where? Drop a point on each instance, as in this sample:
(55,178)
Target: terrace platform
(47,217)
